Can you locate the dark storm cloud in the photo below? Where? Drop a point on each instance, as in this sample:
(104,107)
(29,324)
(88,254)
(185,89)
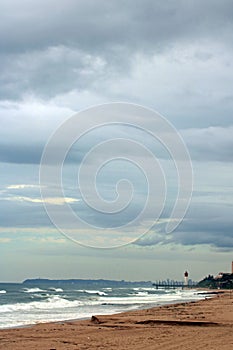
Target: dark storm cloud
(51,47)
(97,25)
(206,225)
(219,239)
(48,72)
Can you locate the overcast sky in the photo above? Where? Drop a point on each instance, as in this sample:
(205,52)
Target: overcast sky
(59,57)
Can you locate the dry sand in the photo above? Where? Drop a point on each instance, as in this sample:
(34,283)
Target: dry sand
(206,324)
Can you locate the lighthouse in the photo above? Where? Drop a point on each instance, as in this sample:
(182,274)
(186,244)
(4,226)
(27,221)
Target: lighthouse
(186,275)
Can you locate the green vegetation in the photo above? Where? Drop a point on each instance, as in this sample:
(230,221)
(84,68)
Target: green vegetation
(223,281)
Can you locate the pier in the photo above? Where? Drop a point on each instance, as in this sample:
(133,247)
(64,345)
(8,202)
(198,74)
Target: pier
(172,285)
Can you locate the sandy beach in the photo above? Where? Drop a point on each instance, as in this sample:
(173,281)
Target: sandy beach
(205,324)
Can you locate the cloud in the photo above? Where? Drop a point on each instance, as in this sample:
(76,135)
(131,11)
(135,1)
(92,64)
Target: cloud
(174,56)
(21,186)
(5,240)
(46,73)
(27,123)
(113,49)
(49,200)
(24,214)
(205,224)
(46,240)
(32,122)
(214,239)
(210,144)
(99,25)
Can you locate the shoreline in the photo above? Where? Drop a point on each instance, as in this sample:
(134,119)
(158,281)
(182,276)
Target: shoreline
(181,325)
(198,291)
(142,308)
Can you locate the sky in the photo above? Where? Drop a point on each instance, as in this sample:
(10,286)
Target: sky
(58,58)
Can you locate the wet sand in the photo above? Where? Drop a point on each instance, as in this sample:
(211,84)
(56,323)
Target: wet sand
(205,324)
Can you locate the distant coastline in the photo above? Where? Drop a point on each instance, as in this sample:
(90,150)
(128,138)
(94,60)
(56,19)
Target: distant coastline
(101,282)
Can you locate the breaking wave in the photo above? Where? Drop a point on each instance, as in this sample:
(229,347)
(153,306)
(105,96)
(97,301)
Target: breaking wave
(33,290)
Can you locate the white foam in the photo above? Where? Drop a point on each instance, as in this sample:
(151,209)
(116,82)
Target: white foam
(29,319)
(41,295)
(140,294)
(58,308)
(129,300)
(98,292)
(48,304)
(2,291)
(146,298)
(53,289)
(150,289)
(33,290)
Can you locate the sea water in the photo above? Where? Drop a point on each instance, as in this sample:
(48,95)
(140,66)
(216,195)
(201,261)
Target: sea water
(26,304)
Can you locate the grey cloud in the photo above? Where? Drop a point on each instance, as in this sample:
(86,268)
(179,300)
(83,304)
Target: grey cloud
(28,137)
(22,214)
(98,24)
(213,144)
(210,144)
(206,225)
(57,57)
(25,129)
(217,239)
(19,213)
(54,70)
(54,47)
(20,154)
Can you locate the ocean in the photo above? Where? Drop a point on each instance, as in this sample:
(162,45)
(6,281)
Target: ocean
(23,304)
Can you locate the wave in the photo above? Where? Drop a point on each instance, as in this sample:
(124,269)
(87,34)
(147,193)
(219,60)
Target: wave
(53,289)
(50,303)
(32,315)
(41,295)
(140,294)
(148,298)
(61,307)
(33,290)
(53,302)
(2,291)
(130,300)
(96,292)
